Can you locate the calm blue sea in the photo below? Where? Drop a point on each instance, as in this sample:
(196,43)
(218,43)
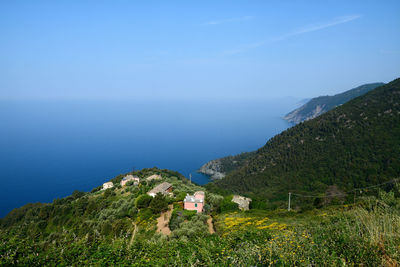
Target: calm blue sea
(50,148)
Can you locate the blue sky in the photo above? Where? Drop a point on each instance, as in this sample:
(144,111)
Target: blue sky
(195,49)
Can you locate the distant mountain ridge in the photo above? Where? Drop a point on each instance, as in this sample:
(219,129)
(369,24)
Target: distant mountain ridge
(319,105)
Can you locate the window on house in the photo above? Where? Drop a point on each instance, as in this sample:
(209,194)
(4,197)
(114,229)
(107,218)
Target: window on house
(195,205)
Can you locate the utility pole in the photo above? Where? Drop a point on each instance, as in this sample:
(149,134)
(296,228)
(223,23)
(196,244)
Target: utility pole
(190,177)
(289,201)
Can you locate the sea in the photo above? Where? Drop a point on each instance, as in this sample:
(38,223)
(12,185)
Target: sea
(49,148)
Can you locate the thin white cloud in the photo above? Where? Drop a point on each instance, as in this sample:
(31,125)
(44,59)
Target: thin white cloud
(224,21)
(303,30)
(320,26)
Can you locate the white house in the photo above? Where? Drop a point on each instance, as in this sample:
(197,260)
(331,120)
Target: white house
(107,185)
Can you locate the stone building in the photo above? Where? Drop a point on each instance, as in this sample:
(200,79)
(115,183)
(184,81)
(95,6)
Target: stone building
(243,202)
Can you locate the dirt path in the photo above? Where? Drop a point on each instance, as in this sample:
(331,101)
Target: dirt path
(134,233)
(210,225)
(163,220)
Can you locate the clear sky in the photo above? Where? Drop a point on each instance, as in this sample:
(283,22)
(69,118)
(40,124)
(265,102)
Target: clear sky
(195,49)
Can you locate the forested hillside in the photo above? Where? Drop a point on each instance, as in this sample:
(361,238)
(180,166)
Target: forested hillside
(319,105)
(219,168)
(352,146)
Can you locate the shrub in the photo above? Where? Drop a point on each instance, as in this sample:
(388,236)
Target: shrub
(96,189)
(228,205)
(180,196)
(143,201)
(109,193)
(77,194)
(188,214)
(194,228)
(106,228)
(175,220)
(158,203)
(144,215)
(214,200)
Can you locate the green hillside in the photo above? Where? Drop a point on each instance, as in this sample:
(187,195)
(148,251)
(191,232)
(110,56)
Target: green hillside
(352,146)
(319,105)
(219,168)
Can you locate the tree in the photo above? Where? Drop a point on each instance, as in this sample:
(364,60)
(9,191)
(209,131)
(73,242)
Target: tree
(159,203)
(143,201)
(180,196)
(228,205)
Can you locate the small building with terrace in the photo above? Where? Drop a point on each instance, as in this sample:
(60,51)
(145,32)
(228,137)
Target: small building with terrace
(129,178)
(195,202)
(163,188)
(107,185)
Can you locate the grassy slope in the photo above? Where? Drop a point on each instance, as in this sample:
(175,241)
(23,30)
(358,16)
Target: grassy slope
(354,145)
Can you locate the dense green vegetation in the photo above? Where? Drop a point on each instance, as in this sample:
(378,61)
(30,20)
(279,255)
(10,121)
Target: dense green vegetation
(231,163)
(322,104)
(352,146)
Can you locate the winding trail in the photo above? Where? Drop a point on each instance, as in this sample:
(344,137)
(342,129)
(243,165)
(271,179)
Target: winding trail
(134,233)
(163,220)
(210,225)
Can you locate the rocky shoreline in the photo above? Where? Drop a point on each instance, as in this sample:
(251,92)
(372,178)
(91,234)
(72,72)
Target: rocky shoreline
(213,169)
(218,168)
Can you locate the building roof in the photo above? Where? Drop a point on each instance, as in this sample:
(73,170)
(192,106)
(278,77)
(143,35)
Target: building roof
(192,199)
(198,197)
(161,188)
(130,177)
(154,177)
(108,183)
